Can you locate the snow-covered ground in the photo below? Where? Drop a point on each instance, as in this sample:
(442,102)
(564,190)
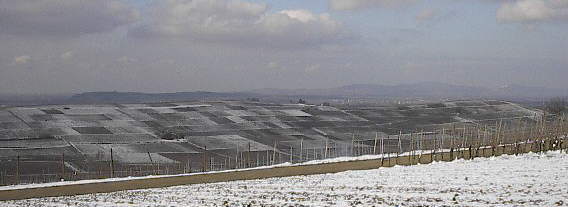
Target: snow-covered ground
(526,180)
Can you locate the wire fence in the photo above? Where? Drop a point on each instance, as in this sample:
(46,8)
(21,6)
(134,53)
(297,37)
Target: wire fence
(111,164)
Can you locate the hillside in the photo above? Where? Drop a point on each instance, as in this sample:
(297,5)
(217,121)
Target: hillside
(180,134)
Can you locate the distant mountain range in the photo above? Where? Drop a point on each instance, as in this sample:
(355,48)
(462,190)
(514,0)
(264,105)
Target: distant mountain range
(426,90)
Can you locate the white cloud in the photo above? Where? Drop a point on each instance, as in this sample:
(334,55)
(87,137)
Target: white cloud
(22,59)
(531,11)
(301,15)
(343,5)
(63,17)
(237,22)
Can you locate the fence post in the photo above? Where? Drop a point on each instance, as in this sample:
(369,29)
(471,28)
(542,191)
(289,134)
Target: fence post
(420,140)
(257,158)
(62,166)
(325,153)
(302,150)
(478,141)
(205,160)
(237,157)
(189,163)
(399,147)
(375,145)
(111,163)
(382,151)
(399,143)
(248,156)
(18,169)
(353,144)
(411,154)
(274,153)
(291,154)
(433,152)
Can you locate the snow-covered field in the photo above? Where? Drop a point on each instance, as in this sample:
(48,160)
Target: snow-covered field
(526,180)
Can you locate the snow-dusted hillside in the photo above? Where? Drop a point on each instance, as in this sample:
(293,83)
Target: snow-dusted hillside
(526,180)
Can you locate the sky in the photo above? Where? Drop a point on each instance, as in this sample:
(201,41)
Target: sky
(74,46)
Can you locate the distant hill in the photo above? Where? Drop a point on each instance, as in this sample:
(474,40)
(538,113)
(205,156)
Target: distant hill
(528,91)
(426,90)
(423,90)
(135,97)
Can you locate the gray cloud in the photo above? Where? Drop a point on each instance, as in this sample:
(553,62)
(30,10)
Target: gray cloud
(344,5)
(63,17)
(531,11)
(426,14)
(22,59)
(229,45)
(238,22)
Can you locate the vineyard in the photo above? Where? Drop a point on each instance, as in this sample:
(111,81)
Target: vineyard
(96,142)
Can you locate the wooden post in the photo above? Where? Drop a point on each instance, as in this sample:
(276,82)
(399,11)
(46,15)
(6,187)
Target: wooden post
(291,154)
(442,139)
(452,141)
(399,142)
(325,153)
(248,156)
(484,136)
(302,150)
(18,169)
(433,152)
(111,164)
(442,142)
(266,159)
(462,146)
(382,145)
(205,159)
(352,143)
(188,163)
(478,141)
(237,157)
(63,166)
(258,158)
(411,154)
(274,151)
(420,140)
(499,132)
(375,145)
(382,150)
